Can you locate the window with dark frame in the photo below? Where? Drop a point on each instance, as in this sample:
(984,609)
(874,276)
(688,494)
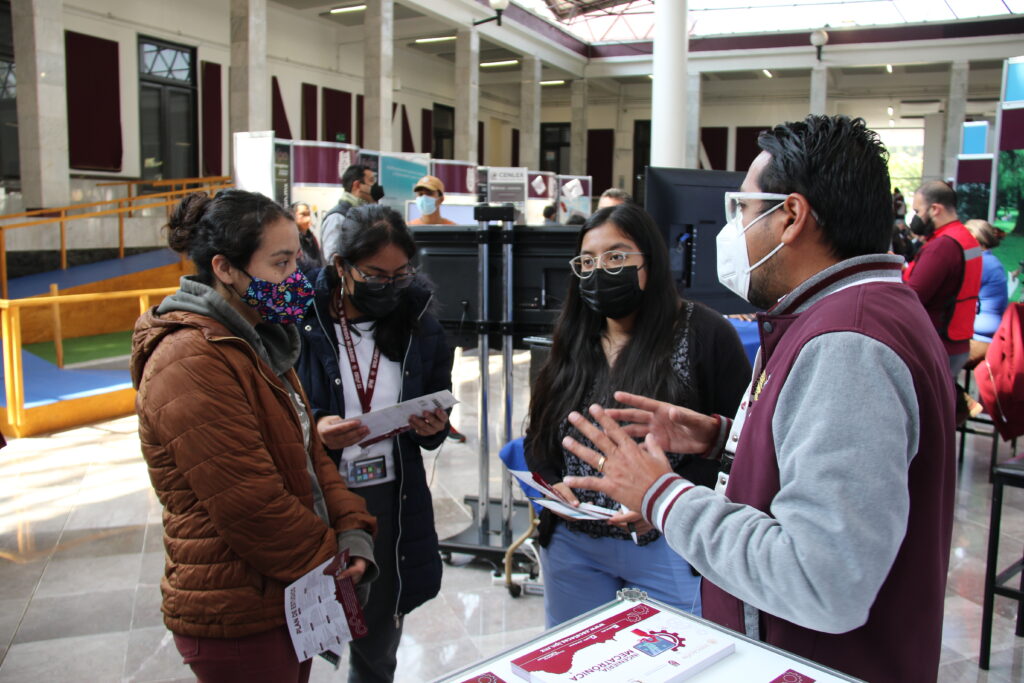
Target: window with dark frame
(444,132)
(10,164)
(168,124)
(555,141)
(641,157)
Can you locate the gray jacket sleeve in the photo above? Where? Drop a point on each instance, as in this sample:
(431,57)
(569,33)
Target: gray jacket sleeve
(329,236)
(845,430)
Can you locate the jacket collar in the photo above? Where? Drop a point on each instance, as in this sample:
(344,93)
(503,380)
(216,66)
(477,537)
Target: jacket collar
(349,198)
(948,227)
(853,271)
(277,345)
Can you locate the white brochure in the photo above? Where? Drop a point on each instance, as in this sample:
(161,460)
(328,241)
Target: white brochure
(392,420)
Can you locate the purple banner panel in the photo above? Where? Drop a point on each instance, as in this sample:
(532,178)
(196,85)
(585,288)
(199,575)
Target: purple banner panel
(973,171)
(321,165)
(1011,131)
(458,177)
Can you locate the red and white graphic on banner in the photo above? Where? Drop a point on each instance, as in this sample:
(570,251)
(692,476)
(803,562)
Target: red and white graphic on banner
(640,643)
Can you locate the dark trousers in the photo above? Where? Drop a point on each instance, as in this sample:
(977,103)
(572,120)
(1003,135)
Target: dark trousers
(374,657)
(266,657)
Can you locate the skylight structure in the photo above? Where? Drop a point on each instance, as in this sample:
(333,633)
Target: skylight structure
(602,21)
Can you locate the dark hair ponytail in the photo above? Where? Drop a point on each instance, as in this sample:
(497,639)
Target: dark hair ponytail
(231,224)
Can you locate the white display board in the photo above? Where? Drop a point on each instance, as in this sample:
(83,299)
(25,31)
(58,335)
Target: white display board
(643,640)
(254,161)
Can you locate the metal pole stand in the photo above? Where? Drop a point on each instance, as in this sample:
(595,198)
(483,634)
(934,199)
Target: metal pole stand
(495,520)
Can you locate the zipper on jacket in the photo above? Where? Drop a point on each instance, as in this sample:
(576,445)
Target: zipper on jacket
(401,494)
(401,481)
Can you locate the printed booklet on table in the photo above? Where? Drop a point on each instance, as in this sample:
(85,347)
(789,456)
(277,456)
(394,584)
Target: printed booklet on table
(641,644)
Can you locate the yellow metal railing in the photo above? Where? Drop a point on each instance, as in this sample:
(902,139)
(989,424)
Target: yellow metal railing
(173,183)
(62,215)
(10,332)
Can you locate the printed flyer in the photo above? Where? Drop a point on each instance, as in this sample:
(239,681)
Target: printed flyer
(641,644)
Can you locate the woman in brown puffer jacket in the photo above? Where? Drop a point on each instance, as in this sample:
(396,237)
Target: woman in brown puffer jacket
(251,502)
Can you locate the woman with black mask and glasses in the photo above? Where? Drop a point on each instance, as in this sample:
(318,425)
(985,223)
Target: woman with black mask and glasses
(623,327)
(369,342)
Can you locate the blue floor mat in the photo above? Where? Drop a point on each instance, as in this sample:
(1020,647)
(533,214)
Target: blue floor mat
(32,285)
(45,383)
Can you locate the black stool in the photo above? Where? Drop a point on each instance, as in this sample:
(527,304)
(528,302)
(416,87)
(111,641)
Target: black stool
(983,419)
(1009,473)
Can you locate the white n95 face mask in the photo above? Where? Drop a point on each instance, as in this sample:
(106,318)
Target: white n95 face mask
(733,262)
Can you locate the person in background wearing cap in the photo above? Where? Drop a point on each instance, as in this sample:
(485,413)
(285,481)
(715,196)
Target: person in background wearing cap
(429,197)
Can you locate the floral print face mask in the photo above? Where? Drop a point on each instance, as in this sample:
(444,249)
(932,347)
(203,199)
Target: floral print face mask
(283,302)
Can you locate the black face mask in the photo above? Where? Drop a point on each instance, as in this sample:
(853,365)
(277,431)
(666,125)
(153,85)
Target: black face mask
(377,192)
(613,296)
(375,303)
(920,227)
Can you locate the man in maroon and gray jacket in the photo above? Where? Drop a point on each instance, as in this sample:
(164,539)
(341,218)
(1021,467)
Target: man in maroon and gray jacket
(829,533)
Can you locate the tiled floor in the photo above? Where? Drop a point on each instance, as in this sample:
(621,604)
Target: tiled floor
(81,555)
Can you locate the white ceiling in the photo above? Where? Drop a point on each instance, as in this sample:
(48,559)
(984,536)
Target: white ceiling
(634,19)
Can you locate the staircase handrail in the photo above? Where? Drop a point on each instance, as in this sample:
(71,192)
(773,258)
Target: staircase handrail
(172,198)
(116,200)
(10,334)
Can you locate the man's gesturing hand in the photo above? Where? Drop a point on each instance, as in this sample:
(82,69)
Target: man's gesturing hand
(628,470)
(675,429)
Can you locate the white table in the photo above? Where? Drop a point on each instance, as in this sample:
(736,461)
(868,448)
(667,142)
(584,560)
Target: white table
(751,661)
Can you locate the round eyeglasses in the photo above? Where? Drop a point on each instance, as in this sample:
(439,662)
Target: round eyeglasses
(612,262)
(379,282)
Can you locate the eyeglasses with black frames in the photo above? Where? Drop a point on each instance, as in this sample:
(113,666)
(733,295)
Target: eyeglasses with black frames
(378,282)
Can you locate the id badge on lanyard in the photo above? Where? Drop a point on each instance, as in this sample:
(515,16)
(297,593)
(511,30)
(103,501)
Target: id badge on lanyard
(367,468)
(371,463)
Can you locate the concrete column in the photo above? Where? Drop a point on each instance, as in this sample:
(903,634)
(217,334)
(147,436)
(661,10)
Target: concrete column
(578,131)
(378,66)
(668,96)
(819,89)
(42,102)
(730,150)
(692,121)
(622,169)
(956,111)
(248,78)
(934,143)
(467,93)
(529,113)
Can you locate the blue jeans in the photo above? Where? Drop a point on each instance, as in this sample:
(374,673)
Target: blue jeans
(581,573)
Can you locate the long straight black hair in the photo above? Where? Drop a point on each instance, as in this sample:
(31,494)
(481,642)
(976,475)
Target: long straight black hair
(577,361)
(365,231)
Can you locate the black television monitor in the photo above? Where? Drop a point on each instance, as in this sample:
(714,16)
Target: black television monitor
(688,206)
(449,256)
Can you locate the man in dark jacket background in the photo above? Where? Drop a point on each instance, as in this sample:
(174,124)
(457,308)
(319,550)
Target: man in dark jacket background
(359,187)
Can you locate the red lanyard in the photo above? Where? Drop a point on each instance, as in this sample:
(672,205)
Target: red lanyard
(365,394)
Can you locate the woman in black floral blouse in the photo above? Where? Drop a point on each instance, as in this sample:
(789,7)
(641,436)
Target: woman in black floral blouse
(623,327)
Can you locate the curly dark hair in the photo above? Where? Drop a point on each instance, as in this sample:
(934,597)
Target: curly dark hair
(231,223)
